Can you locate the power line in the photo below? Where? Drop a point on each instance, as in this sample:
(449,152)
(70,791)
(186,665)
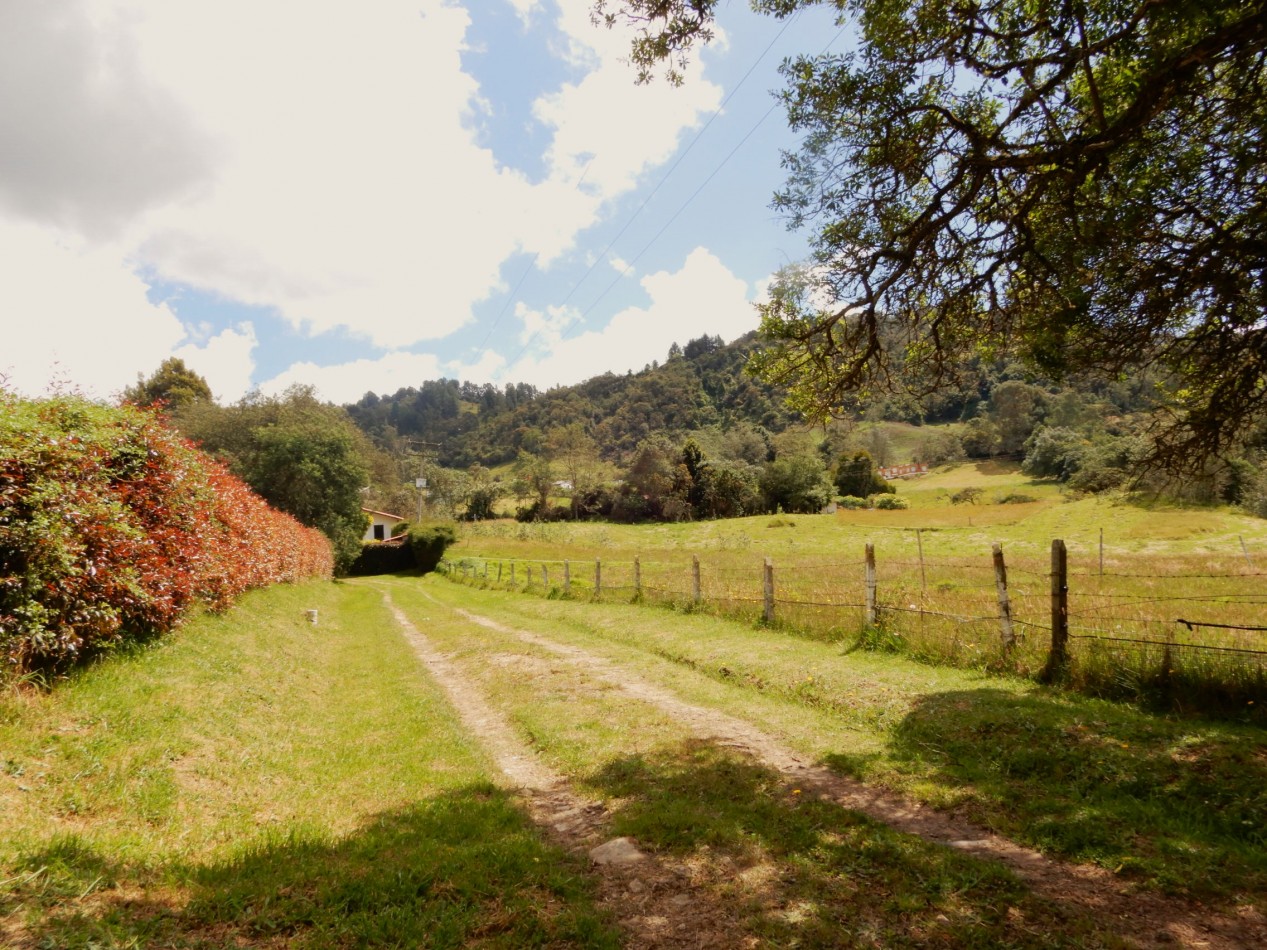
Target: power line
(665,177)
(572,324)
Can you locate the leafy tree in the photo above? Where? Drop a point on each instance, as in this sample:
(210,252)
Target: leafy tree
(173,385)
(980,438)
(936,448)
(856,476)
(1015,409)
(1078,182)
(533,478)
(575,453)
(482,494)
(1054,452)
(796,483)
(301,455)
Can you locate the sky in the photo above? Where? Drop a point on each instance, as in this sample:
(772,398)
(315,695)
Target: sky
(362,196)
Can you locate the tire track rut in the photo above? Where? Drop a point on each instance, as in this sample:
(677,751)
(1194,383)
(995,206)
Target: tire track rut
(1145,919)
(652,898)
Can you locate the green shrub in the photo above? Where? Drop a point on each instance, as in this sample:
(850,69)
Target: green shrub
(429,542)
(889,502)
(112,527)
(383,557)
(852,502)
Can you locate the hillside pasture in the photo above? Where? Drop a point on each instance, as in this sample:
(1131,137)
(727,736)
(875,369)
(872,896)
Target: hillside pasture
(1136,572)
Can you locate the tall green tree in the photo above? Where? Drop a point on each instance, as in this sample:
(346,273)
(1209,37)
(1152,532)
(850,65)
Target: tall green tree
(1078,182)
(303,456)
(174,386)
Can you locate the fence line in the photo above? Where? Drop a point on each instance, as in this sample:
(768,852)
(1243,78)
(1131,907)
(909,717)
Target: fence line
(879,592)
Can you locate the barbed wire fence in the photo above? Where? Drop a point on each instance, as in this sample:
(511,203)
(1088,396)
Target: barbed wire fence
(1188,634)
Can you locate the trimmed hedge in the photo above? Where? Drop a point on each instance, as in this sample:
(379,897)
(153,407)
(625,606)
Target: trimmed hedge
(383,557)
(112,527)
(429,541)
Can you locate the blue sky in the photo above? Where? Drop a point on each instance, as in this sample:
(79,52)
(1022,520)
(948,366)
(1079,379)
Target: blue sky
(364,196)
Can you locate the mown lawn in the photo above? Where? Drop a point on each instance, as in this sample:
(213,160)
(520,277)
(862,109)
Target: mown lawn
(255,779)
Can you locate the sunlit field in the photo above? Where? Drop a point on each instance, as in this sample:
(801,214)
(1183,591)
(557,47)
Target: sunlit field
(1160,598)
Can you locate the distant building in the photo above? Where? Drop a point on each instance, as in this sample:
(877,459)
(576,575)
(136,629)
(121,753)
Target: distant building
(381,525)
(903,471)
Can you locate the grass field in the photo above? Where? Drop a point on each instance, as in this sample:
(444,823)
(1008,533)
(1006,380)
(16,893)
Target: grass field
(1135,569)
(256,780)
(1177,805)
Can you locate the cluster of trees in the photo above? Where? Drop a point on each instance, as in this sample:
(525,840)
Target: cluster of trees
(112,527)
(303,456)
(702,384)
(712,473)
(1075,184)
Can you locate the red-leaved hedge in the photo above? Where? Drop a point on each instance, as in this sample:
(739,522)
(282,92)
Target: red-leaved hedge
(112,527)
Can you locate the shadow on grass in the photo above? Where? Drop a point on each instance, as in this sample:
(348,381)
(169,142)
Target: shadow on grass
(1181,803)
(460,869)
(805,872)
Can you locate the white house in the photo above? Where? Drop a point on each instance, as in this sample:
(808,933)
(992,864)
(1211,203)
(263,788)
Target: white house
(380,525)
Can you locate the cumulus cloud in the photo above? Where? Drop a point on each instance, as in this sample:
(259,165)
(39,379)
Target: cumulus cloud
(89,142)
(77,313)
(348,382)
(225,360)
(612,154)
(702,297)
(321,160)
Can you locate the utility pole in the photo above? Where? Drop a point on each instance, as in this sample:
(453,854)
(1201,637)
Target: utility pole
(426,453)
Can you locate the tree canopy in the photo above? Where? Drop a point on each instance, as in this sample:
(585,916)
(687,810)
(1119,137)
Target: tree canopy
(1081,183)
(173,386)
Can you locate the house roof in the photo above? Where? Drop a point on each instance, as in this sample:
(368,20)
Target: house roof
(383,514)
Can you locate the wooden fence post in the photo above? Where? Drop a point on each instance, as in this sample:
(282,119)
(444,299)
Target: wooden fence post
(1005,605)
(500,565)
(638,577)
(696,591)
(598,577)
(545,577)
(872,614)
(1058,659)
(512,573)
(768,614)
(528,586)
(567,577)
(923,578)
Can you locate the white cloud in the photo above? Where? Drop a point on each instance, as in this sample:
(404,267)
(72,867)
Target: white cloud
(319,159)
(703,297)
(225,360)
(348,382)
(612,153)
(89,142)
(76,313)
(525,8)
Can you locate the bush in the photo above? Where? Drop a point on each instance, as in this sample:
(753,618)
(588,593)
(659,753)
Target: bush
(889,502)
(852,502)
(1014,498)
(967,496)
(383,557)
(428,543)
(112,527)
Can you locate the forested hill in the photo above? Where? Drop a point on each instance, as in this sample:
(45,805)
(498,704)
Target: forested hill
(702,384)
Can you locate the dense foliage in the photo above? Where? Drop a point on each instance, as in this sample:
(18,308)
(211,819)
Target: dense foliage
(173,386)
(429,542)
(112,527)
(1076,182)
(703,384)
(303,456)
